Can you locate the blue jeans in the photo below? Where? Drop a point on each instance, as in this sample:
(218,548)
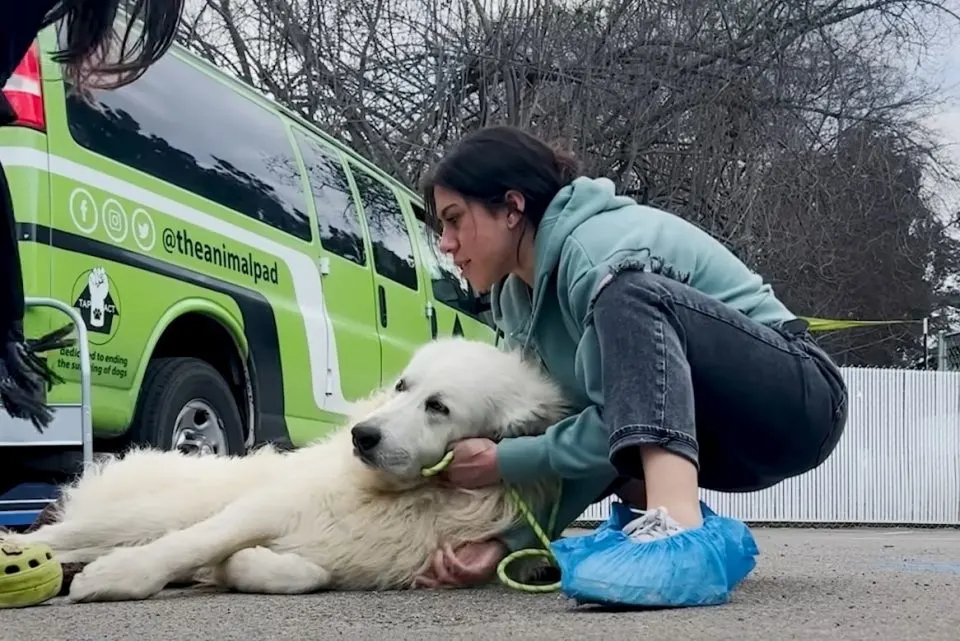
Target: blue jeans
(749,405)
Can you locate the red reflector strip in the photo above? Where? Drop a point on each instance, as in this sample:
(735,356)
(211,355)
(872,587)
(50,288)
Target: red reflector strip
(24,92)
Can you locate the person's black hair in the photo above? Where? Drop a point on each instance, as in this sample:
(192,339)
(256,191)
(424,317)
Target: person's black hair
(488,163)
(90,29)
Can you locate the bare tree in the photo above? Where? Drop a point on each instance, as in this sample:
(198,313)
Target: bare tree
(786,128)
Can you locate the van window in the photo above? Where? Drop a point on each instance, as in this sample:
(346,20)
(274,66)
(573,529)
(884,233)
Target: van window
(392,247)
(337,216)
(449,287)
(180,125)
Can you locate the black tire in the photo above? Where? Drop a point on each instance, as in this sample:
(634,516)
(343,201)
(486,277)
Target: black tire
(168,385)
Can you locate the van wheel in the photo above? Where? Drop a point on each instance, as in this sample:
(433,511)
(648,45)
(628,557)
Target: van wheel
(186,405)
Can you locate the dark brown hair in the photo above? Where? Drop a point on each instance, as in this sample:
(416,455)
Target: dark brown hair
(488,163)
(90,31)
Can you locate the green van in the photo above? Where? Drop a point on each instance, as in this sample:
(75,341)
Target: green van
(242,276)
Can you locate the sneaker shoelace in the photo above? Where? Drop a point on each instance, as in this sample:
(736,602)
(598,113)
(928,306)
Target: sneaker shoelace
(650,525)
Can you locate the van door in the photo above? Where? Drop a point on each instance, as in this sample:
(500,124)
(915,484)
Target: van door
(354,367)
(401,301)
(456,309)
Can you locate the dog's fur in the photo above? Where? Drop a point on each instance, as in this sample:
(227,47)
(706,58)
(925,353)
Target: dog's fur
(325,516)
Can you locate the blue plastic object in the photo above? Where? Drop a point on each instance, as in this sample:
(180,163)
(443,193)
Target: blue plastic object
(695,567)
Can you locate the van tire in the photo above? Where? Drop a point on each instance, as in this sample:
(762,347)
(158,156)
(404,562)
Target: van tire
(169,384)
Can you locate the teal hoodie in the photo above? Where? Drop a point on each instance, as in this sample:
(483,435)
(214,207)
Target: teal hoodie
(587,233)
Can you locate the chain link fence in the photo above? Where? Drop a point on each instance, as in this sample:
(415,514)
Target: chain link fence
(949,352)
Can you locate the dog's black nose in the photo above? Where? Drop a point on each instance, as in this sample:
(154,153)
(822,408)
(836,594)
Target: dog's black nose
(365,437)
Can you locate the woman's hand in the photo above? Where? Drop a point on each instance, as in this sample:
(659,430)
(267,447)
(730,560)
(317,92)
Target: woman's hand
(474,464)
(470,564)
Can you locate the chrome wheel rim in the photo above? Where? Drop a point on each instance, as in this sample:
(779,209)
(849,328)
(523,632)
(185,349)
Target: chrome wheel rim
(199,430)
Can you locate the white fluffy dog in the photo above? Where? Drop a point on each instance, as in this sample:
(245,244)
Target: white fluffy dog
(350,511)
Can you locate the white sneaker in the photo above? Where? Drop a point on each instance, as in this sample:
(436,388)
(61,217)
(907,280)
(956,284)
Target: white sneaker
(652,525)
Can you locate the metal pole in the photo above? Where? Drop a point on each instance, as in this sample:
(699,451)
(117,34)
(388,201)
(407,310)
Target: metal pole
(942,350)
(86,420)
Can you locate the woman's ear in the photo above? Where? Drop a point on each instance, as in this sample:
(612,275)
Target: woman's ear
(515,205)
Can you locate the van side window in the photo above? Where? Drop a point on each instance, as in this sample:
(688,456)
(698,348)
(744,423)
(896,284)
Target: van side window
(182,126)
(392,247)
(449,287)
(337,216)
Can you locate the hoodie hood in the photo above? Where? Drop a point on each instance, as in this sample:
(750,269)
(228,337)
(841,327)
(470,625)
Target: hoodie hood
(514,306)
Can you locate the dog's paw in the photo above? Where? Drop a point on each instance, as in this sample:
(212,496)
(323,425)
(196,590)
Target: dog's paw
(125,574)
(13,539)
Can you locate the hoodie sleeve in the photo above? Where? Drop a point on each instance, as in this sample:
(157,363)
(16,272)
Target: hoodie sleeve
(576,450)
(577,446)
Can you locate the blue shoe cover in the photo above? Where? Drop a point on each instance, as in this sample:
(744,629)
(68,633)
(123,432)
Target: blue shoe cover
(695,567)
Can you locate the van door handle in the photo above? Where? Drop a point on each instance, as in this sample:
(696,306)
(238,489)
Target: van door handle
(433,322)
(382,293)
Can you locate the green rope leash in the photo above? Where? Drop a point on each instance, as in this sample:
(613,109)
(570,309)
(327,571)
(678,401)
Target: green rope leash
(439,467)
(527,553)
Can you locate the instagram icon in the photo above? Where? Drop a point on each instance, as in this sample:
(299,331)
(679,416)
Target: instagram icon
(114,220)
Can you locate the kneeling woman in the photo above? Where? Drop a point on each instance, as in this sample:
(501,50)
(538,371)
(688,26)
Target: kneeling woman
(690,372)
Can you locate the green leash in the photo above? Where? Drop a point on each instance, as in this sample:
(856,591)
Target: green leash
(519,554)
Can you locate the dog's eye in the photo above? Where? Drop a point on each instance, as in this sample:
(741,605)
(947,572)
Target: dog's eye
(434,405)
(400,386)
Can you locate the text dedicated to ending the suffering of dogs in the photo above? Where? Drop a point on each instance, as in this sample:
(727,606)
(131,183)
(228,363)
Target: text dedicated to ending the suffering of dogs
(102,364)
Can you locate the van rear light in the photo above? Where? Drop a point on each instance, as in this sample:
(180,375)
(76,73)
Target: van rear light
(24,92)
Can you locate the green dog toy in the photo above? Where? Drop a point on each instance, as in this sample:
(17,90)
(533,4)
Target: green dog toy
(29,574)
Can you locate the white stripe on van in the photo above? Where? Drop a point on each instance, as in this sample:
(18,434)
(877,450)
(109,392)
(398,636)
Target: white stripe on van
(307,281)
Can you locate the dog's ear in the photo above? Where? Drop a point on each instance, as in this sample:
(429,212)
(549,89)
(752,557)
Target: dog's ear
(531,419)
(530,402)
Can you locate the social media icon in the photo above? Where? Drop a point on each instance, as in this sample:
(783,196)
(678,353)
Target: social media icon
(83,210)
(144,232)
(114,220)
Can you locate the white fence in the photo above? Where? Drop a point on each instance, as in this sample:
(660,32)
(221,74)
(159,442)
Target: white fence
(898,462)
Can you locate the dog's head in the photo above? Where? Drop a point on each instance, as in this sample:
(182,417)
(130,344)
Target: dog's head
(453,389)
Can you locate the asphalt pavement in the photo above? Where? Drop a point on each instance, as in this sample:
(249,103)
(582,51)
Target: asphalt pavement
(837,584)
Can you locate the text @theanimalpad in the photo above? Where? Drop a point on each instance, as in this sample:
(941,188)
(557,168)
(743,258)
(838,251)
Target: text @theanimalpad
(179,242)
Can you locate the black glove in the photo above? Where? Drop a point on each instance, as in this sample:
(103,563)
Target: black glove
(23,374)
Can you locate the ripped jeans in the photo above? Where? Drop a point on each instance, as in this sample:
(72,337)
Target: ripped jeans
(749,405)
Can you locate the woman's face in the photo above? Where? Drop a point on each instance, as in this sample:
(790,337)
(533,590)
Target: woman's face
(482,242)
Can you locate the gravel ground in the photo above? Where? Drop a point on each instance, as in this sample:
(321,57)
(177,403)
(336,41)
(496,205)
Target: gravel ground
(809,584)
